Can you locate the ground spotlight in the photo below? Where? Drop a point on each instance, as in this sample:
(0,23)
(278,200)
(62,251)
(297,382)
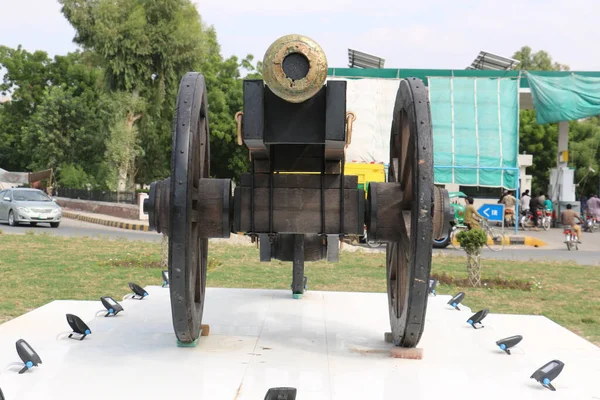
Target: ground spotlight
(432,284)
(111,305)
(78,326)
(506,343)
(29,357)
(456,300)
(137,290)
(165,276)
(281,393)
(477,318)
(546,374)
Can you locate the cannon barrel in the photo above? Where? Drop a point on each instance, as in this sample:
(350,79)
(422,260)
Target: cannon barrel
(295,68)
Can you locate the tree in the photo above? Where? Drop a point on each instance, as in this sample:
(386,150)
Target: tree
(225,98)
(25,80)
(68,124)
(542,142)
(584,151)
(538,61)
(123,144)
(472,241)
(146,46)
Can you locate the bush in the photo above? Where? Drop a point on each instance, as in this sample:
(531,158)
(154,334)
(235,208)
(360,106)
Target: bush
(74,177)
(472,240)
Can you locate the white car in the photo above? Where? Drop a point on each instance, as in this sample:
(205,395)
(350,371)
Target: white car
(33,206)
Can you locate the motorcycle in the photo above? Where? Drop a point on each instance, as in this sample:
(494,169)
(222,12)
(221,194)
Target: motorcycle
(591,224)
(526,220)
(571,238)
(546,219)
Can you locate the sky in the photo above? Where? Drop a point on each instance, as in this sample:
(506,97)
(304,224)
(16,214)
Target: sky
(418,34)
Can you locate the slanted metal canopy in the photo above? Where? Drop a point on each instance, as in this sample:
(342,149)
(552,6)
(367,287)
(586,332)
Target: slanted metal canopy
(492,62)
(358,59)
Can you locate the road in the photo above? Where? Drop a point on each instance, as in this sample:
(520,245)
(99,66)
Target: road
(71,227)
(589,253)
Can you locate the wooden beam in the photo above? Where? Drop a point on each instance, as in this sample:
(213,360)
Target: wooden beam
(307,181)
(298,210)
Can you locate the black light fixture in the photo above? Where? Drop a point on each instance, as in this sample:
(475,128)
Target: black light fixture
(78,326)
(506,343)
(432,285)
(546,374)
(475,320)
(137,291)
(281,393)
(1,395)
(456,300)
(29,357)
(165,276)
(111,305)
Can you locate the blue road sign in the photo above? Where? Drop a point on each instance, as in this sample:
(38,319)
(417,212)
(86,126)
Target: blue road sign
(492,212)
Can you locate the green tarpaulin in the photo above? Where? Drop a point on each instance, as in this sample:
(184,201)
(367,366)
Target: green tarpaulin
(564,98)
(475,131)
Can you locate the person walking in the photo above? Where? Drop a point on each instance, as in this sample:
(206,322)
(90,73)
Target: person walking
(524,203)
(593,206)
(509,202)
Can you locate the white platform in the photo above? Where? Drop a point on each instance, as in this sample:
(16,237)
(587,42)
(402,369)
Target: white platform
(329,345)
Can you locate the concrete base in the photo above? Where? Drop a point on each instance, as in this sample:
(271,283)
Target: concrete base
(329,345)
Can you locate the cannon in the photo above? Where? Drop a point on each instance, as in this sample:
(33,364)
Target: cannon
(295,201)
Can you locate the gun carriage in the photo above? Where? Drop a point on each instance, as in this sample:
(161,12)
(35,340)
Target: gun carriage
(296,200)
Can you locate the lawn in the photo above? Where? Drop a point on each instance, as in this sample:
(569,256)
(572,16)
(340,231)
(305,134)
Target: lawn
(37,269)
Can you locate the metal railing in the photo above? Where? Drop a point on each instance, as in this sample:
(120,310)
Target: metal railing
(97,195)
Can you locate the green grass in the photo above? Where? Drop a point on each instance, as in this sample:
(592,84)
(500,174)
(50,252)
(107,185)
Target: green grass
(37,269)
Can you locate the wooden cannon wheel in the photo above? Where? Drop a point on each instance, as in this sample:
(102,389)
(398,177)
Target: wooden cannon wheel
(188,251)
(408,260)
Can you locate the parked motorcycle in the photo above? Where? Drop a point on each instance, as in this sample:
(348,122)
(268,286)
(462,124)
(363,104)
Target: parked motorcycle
(591,224)
(546,219)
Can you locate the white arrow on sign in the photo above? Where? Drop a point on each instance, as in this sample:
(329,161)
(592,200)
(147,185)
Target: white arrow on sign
(485,212)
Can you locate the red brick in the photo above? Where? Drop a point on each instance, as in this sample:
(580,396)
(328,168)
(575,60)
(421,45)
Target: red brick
(407,353)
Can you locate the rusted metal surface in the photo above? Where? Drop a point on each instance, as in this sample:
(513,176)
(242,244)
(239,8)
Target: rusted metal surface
(350,118)
(442,212)
(285,72)
(157,206)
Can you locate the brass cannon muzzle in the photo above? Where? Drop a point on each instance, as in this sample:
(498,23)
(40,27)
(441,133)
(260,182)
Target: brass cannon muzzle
(295,68)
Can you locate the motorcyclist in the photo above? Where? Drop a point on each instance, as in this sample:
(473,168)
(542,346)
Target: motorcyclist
(568,217)
(534,206)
